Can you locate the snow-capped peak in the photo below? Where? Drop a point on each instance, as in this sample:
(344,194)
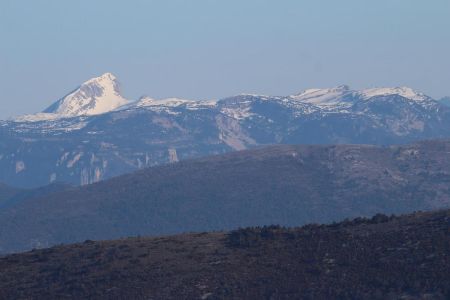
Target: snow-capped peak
(323,97)
(95,96)
(337,95)
(405,92)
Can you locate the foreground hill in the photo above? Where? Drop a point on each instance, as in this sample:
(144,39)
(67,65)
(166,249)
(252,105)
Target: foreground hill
(94,133)
(379,258)
(286,185)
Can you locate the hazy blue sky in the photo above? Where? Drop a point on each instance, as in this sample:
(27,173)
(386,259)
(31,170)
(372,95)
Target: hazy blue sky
(210,49)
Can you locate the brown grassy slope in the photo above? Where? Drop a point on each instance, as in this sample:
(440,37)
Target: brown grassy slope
(380,258)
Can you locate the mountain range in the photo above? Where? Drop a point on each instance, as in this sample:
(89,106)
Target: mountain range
(94,133)
(285,184)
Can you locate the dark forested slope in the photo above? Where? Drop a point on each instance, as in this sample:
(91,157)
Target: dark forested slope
(379,258)
(7,192)
(11,196)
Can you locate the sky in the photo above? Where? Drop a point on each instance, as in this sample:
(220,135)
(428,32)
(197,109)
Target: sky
(208,49)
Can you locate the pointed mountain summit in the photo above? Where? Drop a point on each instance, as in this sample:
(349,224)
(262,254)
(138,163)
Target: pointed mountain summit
(95,96)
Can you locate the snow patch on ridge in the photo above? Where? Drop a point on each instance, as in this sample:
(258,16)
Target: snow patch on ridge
(170,102)
(37,117)
(405,92)
(323,97)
